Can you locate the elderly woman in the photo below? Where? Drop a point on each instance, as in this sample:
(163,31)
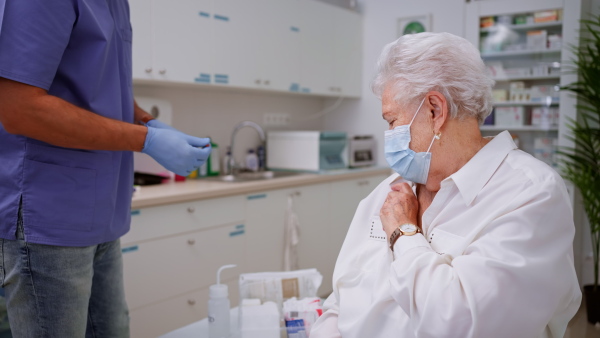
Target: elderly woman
(472,237)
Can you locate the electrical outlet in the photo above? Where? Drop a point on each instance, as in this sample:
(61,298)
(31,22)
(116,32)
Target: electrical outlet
(276,119)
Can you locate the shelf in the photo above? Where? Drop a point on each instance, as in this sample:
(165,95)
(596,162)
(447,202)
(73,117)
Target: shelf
(526,78)
(525,26)
(520,52)
(529,104)
(517,128)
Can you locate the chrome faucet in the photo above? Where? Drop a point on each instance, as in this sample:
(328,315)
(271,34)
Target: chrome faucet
(229,168)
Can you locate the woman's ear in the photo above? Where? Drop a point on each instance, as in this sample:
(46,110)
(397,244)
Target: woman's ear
(438,109)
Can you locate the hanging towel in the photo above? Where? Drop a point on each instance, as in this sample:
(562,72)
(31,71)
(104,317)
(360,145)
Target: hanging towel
(291,237)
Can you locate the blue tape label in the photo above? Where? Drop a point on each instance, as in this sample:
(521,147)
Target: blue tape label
(255,197)
(135,212)
(237,233)
(240,226)
(295,29)
(204,14)
(129,249)
(221,17)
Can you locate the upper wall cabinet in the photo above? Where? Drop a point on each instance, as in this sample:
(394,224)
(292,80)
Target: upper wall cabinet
(281,45)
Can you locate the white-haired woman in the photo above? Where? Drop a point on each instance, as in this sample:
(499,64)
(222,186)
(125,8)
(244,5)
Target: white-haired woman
(472,237)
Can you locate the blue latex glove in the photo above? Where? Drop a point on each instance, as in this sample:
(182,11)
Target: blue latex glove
(175,150)
(158,124)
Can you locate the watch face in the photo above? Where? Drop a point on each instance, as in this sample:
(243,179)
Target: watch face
(408,228)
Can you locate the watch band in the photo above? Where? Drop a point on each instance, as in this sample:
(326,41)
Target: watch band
(394,237)
(397,233)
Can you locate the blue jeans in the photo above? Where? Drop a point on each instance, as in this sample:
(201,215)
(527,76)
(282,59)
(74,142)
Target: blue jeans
(65,292)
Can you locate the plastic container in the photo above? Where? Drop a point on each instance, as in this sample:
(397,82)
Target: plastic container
(213,164)
(219,324)
(251,160)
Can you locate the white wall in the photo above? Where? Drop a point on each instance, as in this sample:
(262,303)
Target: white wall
(380,22)
(203,111)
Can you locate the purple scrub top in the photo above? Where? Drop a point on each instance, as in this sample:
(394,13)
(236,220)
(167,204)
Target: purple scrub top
(80,51)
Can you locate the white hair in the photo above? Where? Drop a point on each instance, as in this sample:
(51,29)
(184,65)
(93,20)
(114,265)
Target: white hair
(418,63)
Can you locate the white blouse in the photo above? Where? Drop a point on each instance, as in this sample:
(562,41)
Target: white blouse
(495,258)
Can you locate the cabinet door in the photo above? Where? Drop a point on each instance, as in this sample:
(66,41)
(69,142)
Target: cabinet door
(141,23)
(345,197)
(235,55)
(265,214)
(158,270)
(311,204)
(182,40)
(279,45)
(347,62)
(163,317)
(316,41)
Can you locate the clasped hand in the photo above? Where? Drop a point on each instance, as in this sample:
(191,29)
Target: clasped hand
(400,207)
(174,150)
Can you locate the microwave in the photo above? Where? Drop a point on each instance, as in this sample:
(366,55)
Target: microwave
(307,150)
(362,150)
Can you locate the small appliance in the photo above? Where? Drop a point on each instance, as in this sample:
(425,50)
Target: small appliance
(307,150)
(362,150)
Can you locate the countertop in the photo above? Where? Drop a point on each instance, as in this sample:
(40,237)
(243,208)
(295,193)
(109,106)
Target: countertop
(197,189)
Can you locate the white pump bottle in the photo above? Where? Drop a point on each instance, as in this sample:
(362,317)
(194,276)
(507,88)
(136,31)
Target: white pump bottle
(218,308)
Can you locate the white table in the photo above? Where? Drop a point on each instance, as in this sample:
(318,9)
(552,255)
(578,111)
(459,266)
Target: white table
(199,329)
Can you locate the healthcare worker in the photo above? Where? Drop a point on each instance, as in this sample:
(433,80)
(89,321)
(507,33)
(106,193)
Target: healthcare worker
(472,237)
(67,134)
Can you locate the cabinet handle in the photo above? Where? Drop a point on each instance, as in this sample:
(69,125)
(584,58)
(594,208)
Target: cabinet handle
(257,82)
(148,70)
(191,301)
(267,82)
(191,241)
(191,210)
(296,194)
(162,71)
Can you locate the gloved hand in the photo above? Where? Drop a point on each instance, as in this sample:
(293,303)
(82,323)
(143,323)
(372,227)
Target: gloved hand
(175,150)
(158,124)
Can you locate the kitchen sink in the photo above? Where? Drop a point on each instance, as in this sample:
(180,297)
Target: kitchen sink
(252,176)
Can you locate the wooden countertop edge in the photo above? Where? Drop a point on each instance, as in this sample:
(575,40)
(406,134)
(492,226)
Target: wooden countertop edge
(198,190)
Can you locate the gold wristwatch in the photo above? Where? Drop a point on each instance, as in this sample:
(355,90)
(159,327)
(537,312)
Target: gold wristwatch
(407,229)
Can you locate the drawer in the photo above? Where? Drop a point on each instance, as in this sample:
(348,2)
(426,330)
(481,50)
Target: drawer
(163,317)
(167,220)
(158,270)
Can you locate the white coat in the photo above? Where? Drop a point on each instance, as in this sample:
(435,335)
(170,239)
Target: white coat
(495,258)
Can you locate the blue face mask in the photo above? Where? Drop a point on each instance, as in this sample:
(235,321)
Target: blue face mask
(411,166)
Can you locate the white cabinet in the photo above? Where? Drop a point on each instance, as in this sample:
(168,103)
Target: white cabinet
(317,47)
(282,45)
(278,43)
(172,252)
(347,61)
(345,197)
(311,204)
(182,38)
(141,22)
(265,212)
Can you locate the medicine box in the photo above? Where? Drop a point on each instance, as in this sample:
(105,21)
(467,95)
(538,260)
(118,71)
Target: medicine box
(537,39)
(546,16)
(544,117)
(509,116)
(500,95)
(520,95)
(544,94)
